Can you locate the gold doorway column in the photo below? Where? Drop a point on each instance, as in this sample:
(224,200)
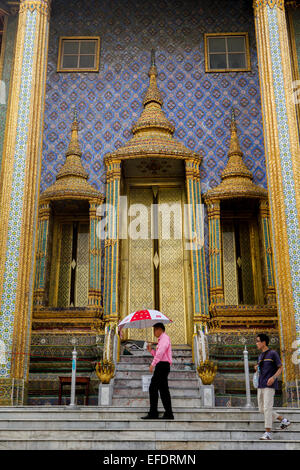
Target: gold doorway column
(215,252)
(282,161)
(200,294)
(111,260)
(19,196)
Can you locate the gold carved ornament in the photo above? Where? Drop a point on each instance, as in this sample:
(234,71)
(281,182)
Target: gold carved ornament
(207,371)
(105,371)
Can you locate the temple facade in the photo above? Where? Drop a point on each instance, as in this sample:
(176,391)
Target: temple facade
(122,121)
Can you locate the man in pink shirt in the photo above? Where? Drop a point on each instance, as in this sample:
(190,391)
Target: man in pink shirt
(161,366)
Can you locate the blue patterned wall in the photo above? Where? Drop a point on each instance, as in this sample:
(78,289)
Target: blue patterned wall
(197,103)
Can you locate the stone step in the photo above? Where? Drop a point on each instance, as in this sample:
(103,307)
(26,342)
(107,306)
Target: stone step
(119,435)
(145,366)
(150,445)
(133,402)
(138,424)
(137,382)
(138,373)
(148,359)
(175,353)
(138,392)
(184,412)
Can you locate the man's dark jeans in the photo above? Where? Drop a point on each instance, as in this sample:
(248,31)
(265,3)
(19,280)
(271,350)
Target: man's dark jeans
(159,383)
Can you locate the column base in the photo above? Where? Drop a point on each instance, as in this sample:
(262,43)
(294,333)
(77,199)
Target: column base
(105,393)
(13,392)
(207,395)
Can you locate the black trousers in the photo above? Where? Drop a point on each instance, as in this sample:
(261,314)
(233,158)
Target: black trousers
(159,383)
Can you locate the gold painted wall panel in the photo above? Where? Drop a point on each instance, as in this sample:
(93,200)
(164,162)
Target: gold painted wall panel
(247,277)
(141,283)
(229,265)
(82,270)
(63,299)
(171,272)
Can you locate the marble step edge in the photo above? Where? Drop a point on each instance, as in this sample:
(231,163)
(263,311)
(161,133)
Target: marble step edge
(179,409)
(157,429)
(135,420)
(154,440)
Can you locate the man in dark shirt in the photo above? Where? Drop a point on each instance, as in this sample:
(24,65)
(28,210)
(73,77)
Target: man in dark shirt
(270,368)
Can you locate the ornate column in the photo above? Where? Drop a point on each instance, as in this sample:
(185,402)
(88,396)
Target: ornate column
(215,252)
(200,294)
(19,194)
(95,257)
(111,267)
(269,287)
(42,255)
(282,157)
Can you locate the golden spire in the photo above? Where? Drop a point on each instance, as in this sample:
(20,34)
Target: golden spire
(73,166)
(71,180)
(235,166)
(153,94)
(153,132)
(236,178)
(153,116)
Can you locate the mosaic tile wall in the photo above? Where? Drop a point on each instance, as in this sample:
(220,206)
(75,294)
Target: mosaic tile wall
(197,103)
(7,64)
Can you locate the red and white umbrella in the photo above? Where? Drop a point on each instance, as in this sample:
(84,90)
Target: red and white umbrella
(143,319)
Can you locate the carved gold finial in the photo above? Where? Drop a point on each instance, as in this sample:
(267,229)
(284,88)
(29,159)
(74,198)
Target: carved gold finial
(153,93)
(234,148)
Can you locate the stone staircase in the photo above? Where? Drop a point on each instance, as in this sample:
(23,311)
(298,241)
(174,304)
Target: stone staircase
(120,428)
(183,382)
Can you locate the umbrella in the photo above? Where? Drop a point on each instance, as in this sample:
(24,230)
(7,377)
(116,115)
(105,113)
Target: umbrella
(143,319)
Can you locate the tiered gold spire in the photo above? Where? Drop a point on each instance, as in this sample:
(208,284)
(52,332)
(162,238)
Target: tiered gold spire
(71,180)
(153,132)
(236,178)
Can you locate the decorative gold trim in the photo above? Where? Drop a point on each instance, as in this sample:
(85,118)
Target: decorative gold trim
(260,4)
(224,317)
(43,6)
(78,38)
(247,52)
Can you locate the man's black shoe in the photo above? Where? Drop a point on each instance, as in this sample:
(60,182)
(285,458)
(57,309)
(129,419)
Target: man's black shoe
(167,417)
(149,417)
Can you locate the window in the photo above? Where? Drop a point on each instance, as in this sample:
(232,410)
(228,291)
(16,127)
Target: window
(78,54)
(227,52)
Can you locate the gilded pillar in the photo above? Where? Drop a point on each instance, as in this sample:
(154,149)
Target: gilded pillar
(282,158)
(269,287)
(215,253)
(19,194)
(195,220)
(42,254)
(111,268)
(95,257)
